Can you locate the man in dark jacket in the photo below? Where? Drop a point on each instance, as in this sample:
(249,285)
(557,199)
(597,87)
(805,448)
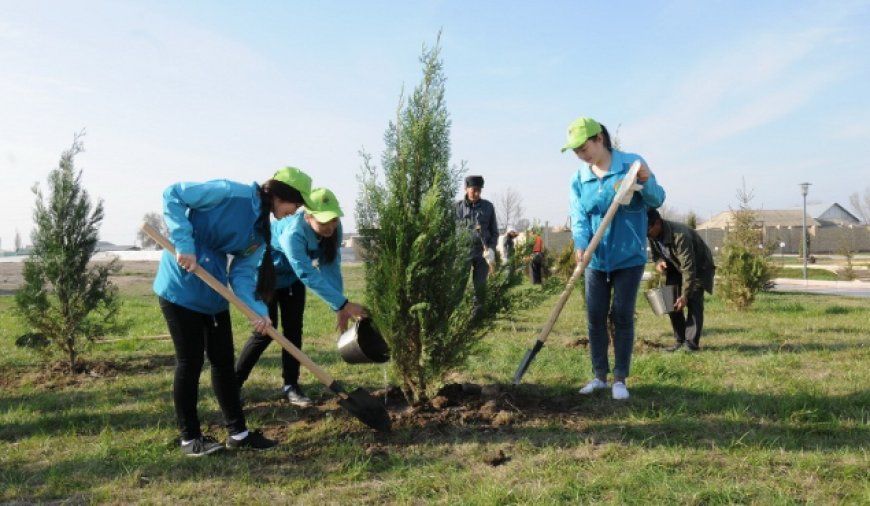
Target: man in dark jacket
(682,255)
(479,216)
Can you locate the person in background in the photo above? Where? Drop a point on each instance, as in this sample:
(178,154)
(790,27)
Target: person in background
(311,243)
(208,223)
(479,216)
(509,237)
(537,263)
(680,253)
(288,300)
(615,269)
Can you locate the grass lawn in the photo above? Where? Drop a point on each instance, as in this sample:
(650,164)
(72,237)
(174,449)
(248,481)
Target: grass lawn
(774,410)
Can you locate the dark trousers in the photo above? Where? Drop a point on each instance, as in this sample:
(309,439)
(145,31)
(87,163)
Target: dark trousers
(195,335)
(479,272)
(620,287)
(687,326)
(291,304)
(536,267)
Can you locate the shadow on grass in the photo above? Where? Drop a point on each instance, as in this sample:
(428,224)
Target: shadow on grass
(547,417)
(781,347)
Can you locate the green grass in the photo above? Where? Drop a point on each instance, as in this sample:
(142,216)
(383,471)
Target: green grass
(798,273)
(775,410)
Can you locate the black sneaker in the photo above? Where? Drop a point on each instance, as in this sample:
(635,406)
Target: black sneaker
(255,441)
(296,397)
(676,346)
(692,346)
(201,446)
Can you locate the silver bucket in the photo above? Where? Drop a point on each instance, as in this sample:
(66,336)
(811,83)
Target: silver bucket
(662,299)
(363,344)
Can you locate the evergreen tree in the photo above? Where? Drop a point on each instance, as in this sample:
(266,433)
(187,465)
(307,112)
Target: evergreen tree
(62,297)
(416,256)
(744,268)
(692,220)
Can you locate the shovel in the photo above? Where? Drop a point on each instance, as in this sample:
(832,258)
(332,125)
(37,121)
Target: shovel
(359,403)
(623,197)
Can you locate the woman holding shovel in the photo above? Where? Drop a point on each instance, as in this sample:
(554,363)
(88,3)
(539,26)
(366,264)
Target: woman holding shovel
(207,223)
(310,245)
(614,272)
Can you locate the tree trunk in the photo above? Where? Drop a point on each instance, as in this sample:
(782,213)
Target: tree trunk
(71,349)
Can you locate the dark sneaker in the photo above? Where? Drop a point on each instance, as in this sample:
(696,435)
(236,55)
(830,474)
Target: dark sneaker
(201,446)
(296,397)
(255,441)
(692,346)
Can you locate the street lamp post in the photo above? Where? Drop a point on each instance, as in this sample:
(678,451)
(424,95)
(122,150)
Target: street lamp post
(805,188)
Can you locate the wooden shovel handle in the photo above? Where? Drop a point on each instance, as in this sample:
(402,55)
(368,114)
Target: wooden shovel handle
(627,185)
(222,289)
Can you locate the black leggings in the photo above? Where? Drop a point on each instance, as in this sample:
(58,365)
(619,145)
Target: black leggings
(291,302)
(194,335)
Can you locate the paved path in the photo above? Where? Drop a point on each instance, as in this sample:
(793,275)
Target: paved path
(848,288)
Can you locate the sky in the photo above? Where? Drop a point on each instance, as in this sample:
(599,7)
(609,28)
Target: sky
(714,95)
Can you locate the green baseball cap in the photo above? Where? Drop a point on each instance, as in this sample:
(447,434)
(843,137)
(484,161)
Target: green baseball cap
(295,178)
(579,131)
(323,205)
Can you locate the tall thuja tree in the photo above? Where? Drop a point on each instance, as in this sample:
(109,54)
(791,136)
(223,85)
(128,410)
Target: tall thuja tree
(62,297)
(416,255)
(744,268)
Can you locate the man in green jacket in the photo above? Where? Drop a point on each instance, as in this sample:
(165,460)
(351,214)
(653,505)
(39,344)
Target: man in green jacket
(682,255)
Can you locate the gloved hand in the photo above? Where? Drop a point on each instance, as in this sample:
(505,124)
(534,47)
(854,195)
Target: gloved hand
(489,256)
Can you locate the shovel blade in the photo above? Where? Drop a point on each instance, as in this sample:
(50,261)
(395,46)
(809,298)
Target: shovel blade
(527,359)
(367,409)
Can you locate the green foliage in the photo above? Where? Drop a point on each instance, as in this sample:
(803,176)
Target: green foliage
(416,257)
(566,261)
(524,251)
(62,297)
(692,220)
(744,268)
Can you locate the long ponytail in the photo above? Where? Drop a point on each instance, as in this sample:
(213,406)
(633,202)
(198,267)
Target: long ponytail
(266,274)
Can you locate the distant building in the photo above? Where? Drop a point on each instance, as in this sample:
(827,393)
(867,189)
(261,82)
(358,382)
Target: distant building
(830,228)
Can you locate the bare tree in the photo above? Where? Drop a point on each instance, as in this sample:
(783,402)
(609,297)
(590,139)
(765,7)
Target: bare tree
(156,221)
(673,214)
(509,208)
(861,206)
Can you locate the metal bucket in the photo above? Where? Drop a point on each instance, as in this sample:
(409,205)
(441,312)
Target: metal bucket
(662,299)
(363,344)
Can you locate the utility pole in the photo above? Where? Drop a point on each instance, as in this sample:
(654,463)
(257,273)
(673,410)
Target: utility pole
(805,188)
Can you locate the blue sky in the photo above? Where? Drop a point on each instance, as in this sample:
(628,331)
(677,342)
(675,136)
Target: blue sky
(710,93)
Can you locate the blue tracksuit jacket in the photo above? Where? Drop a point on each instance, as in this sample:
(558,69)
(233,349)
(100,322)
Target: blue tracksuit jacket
(624,243)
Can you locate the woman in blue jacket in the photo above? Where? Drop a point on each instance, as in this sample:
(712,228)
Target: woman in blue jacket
(618,262)
(311,244)
(207,223)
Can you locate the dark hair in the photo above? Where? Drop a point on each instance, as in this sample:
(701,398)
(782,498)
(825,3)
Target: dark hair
(652,216)
(606,136)
(266,273)
(329,245)
(283,191)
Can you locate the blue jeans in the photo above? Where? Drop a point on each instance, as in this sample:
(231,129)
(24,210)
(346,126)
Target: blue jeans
(623,283)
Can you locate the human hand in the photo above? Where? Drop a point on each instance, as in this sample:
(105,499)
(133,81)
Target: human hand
(661,266)
(680,303)
(350,310)
(261,324)
(489,256)
(643,173)
(578,256)
(187,262)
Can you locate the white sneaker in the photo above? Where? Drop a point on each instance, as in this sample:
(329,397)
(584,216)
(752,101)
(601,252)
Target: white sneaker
(620,392)
(595,384)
